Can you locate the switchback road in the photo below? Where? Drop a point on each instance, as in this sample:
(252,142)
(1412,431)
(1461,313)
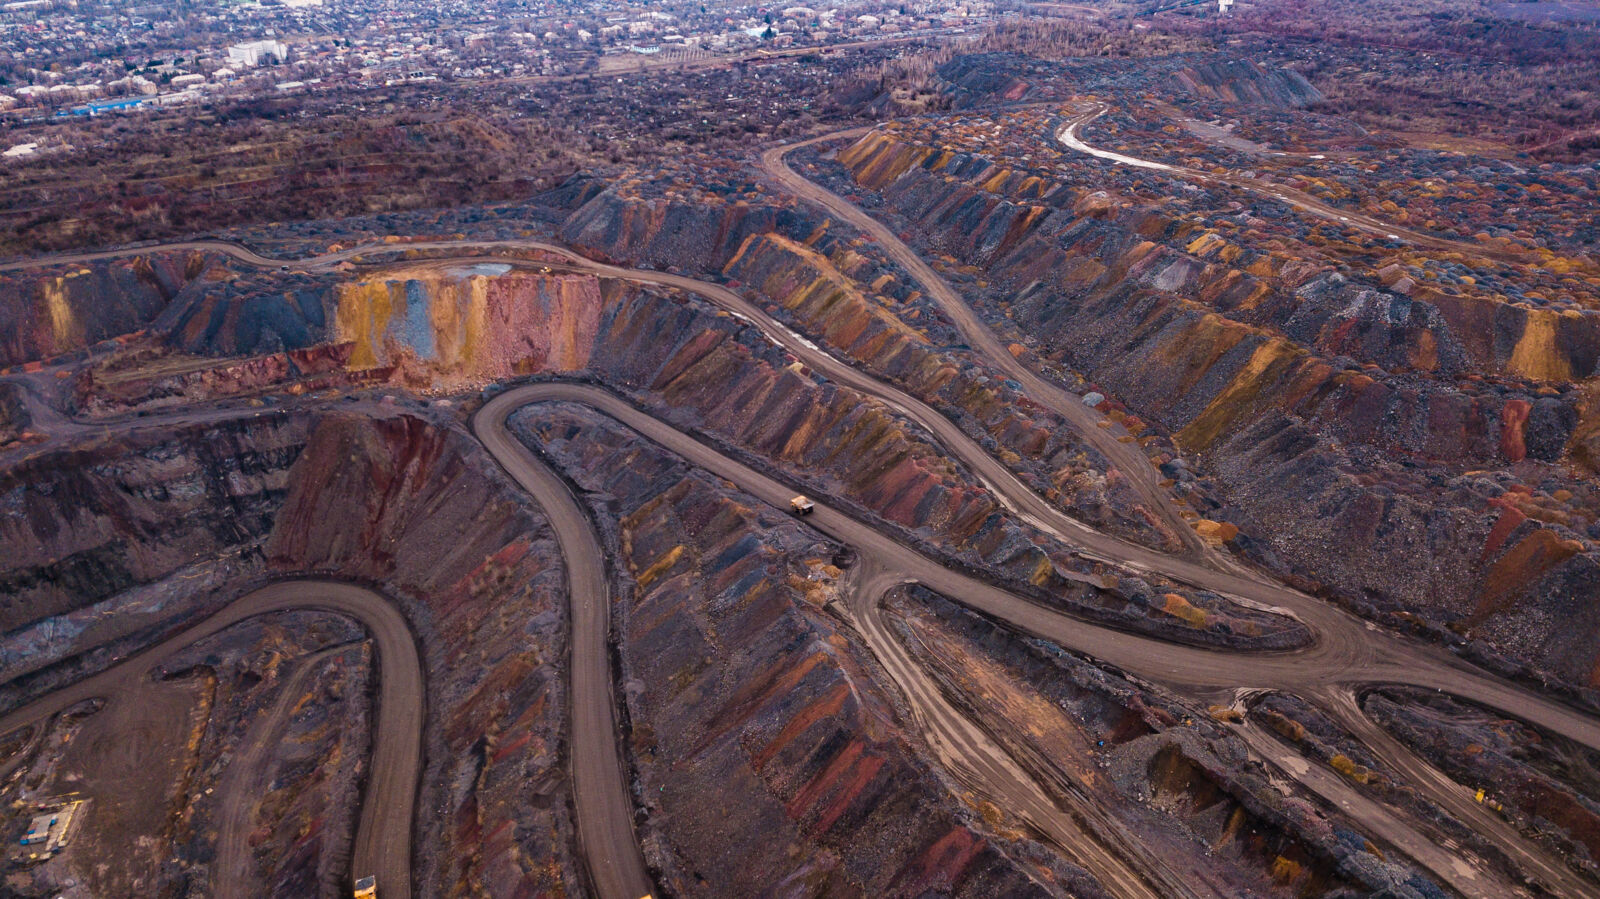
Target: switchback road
(383,832)
(1347,661)
(599,778)
(1128,458)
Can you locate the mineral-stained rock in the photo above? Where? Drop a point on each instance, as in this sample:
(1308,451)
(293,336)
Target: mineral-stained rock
(467,326)
(54,310)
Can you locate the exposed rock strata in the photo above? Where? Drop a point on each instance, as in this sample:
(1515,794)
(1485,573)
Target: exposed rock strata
(1357,470)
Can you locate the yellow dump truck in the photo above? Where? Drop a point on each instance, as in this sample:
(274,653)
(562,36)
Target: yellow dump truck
(801,506)
(366,888)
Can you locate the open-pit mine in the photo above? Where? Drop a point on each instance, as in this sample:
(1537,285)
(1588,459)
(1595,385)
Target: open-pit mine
(1083,474)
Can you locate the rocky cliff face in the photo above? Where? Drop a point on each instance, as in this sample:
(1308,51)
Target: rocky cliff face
(1354,424)
(152,377)
(422,510)
(461,324)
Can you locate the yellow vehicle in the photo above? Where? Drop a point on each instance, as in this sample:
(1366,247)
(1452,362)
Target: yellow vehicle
(366,888)
(801,506)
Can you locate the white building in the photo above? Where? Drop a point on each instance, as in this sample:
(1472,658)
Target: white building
(134,84)
(254,53)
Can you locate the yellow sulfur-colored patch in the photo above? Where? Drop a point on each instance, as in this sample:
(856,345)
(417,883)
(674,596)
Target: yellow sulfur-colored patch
(1536,355)
(1239,398)
(1178,607)
(660,566)
(65,328)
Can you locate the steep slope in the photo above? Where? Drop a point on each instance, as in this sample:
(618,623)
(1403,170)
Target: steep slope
(1352,468)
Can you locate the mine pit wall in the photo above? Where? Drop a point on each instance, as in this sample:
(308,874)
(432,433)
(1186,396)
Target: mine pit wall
(407,504)
(707,371)
(1224,351)
(58,309)
(469,329)
(764,745)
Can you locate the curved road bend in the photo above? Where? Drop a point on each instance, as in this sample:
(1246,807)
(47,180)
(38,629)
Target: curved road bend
(1342,638)
(1348,658)
(972,756)
(1004,484)
(1068,137)
(383,832)
(1127,457)
(599,780)
(1325,621)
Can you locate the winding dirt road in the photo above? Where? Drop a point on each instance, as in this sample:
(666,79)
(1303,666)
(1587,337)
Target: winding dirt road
(1068,136)
(1345,661)
(599,779)
(383,832)
(1128,458)
(1348,653)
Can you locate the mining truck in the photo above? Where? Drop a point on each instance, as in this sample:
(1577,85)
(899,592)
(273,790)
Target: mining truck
(366,888)
(801,506)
